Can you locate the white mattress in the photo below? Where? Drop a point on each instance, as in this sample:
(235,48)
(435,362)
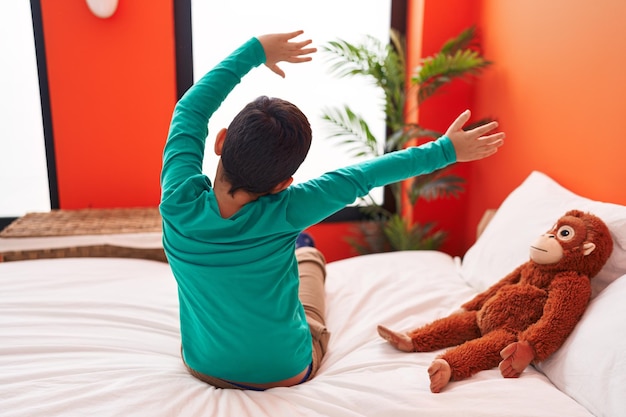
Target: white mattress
(100,337)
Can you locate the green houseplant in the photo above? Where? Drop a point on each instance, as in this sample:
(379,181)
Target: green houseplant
(385,64)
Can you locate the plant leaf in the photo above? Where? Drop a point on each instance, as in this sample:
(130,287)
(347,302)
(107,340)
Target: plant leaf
(397,140)
(351,130)
(440,69)
(418,236)
(436,185)
(465,40)
(385,65)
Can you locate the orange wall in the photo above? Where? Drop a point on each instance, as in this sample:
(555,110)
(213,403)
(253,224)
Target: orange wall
(558,88)
(330,239)
(112,89)
(438,25)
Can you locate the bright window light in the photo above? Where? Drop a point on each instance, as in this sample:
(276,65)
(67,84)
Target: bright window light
(23,167)
(220,27)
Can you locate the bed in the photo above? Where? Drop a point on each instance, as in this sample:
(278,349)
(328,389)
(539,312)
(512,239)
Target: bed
(99,336)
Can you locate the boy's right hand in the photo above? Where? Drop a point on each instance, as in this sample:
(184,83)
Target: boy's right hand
(278,48)
(472,145)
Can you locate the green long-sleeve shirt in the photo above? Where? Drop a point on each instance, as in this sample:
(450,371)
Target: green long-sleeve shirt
(237,277)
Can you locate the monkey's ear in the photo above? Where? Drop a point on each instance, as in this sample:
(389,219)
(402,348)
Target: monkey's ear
(588,248)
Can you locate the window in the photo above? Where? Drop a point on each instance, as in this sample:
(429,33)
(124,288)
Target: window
(23,168)
(220,27)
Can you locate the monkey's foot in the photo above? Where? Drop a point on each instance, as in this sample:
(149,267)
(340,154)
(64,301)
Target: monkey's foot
(440,373)
(400,341)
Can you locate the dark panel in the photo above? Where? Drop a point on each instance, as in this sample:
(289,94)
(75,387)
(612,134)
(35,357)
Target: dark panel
(44,93)
(184,46)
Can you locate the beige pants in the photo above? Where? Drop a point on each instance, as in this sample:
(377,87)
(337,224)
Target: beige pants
(312,270)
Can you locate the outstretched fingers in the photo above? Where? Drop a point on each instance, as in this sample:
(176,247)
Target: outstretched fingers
(482,129)
(294,51)
(279,47)
(460,121)
(490,144)
(298,51)
(290,35)
(476,143)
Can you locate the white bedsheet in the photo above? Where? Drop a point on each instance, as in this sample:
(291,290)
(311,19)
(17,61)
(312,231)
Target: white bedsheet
(99,337)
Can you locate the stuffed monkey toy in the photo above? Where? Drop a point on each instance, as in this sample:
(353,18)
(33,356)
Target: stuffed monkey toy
(524,317)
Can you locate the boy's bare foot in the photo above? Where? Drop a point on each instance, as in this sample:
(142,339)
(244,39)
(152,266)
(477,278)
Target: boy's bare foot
(400,341)
(440,373)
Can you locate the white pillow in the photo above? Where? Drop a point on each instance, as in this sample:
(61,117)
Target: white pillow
(529,211)
(591,366)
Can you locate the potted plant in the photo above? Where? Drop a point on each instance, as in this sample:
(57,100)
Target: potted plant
(385,64)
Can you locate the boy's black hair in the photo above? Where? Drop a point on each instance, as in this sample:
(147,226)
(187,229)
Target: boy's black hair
(265,144)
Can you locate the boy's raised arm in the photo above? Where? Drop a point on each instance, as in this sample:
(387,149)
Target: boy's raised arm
(184,150)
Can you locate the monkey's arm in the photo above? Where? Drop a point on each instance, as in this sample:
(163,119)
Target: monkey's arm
(477,302)
(568,296)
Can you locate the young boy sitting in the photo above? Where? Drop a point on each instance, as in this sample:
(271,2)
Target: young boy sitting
(251,304)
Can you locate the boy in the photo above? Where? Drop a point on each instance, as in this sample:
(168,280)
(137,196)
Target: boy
(251,305)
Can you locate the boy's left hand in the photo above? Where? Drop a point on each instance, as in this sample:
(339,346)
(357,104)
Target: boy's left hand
(471,145)
(278,48)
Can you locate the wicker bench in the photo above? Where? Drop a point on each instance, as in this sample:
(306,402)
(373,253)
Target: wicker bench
(119,232)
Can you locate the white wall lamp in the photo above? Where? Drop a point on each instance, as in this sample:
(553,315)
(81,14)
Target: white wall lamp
(102,8)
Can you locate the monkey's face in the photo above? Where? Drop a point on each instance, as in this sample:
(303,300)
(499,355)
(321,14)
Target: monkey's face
(568,235)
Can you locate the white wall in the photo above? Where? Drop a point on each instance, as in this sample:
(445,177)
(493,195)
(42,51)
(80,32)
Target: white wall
(220,27)
(23,169)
